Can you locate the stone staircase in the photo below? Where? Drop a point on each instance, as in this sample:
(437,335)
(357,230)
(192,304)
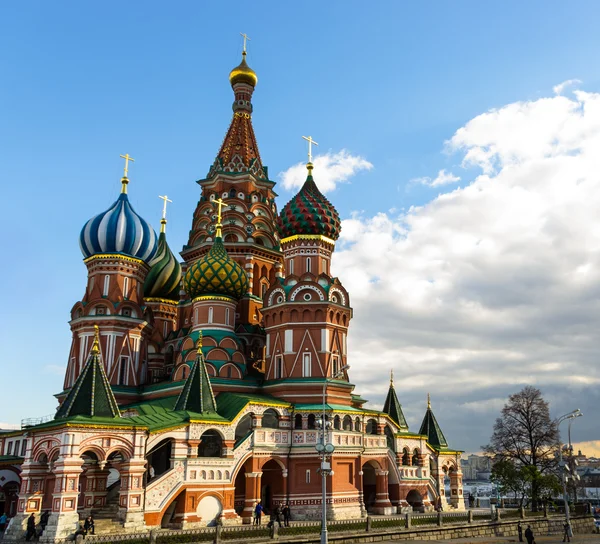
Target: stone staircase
(106,518)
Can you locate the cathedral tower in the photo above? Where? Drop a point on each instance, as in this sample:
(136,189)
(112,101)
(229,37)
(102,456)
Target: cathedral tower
(307,312)
(238,177)
(117,246)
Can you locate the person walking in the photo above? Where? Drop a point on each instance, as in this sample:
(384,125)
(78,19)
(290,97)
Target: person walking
(3,522)
(529,535)
(88,526)
(258,510)
(30,527)
(520,531)
(287,515)
(566,532)
(44,520)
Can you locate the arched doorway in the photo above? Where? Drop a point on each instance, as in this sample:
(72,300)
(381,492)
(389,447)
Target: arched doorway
(272,491)
(369,481)
(211,444)
(414,499)
(270,419)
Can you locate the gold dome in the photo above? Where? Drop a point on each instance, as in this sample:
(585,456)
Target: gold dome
(243,73)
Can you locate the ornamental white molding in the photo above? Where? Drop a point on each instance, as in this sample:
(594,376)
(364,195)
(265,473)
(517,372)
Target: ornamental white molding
(310,288)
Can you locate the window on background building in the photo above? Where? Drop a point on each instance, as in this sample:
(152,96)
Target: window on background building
(289,341)
(226,316)
(17,444)
(9,448)
(308,264)
(123,362)
(106,285)
(307,476)
(324,265)
(306,365)
(263,289)
(23,448)
(125,287)
(210,314)
(196,316)
(278,371)
(291,266)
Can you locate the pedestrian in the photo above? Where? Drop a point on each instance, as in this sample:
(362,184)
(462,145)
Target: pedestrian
(276,516)
(30,527)
(566,532)
(151,472)
(287,515)
(438,504)
(88,526)
(529,535)
(520,531)
(3,522)
(44,520)
(258,510)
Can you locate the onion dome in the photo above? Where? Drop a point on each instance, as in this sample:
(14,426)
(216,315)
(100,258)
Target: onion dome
(164,276)
(309,212)
(118,230)
(243,73)
(216,274)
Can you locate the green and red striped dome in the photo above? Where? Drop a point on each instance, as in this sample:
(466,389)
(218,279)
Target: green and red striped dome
(309,212)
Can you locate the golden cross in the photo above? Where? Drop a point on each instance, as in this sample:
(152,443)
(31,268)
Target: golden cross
(127,159)
(310,144)
(165,199)
(220,203)
(245,36)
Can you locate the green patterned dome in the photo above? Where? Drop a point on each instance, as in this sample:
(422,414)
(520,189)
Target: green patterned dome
(165,273)
(216,274)
(309,212)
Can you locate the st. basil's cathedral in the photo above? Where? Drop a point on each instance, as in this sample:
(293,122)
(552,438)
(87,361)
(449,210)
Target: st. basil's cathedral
(194,389)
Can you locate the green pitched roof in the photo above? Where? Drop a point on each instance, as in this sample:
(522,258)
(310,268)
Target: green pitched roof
(91,394)
(431,429)
(392,407)
(197,394)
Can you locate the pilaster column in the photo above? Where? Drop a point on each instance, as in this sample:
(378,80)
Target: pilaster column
(253,491)
(193,448)
(131,492)
(382,500)
(228,448)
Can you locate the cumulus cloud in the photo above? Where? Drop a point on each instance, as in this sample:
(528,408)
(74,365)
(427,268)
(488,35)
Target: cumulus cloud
(443,178)
(330,169)
(492,286)
(558,89)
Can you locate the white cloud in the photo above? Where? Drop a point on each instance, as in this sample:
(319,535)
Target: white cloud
(330,169)
(491,286)
(443,178)
(558,89)
(9,426)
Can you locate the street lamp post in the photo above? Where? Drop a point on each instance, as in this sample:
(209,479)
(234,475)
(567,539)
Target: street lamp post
(325,448)
(570,416)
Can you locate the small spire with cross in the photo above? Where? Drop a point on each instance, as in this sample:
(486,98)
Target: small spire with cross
(246,38)
(125,179)
(220,203)
(311,142)
(163,221)
(96,345)
(199,341)
(392,378)
(428,401)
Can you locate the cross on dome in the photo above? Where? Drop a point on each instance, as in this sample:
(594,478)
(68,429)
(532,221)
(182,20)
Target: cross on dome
(245,36)
(310,144)
(220,203)
(125,179)
(163,221)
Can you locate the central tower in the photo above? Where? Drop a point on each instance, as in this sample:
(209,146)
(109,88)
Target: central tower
(238,177)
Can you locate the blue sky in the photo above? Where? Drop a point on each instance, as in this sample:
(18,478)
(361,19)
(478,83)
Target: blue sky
(386,81)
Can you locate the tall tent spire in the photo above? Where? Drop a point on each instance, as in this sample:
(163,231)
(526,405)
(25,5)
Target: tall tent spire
(392,405)
(91,394)
(431,428)
(239,150)
(197,394)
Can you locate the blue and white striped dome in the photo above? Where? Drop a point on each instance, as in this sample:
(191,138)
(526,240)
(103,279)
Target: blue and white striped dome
(118,230)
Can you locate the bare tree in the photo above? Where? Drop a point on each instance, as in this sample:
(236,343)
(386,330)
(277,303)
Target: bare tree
(526,435)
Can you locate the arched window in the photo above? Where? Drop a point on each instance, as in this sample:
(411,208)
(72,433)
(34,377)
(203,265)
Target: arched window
(210,314)
(371,426)
(298,421)
(347,423)
(270,419)
(226,316)
(308,264)
(312,421)
(415,458)
(196,316)
(406,457)
(357,425)
(243,427)
(291,266)
(125,287)
(106,285)
(211,444)
(337,422)
(390,439)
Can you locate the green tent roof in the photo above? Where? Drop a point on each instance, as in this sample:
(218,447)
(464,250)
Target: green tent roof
(91,394)
(197,394)
(393,408)
(431,429)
